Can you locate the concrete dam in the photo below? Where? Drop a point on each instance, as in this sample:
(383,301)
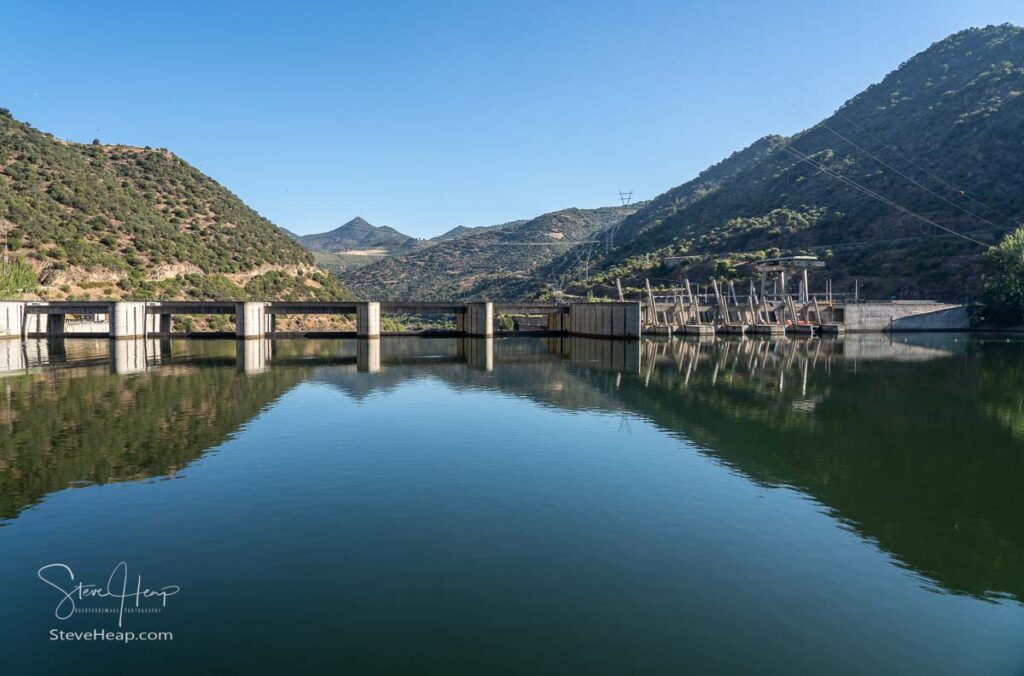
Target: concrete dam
(622,320)
(257,319)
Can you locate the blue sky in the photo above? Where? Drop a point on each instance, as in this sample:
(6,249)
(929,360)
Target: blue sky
(427,115)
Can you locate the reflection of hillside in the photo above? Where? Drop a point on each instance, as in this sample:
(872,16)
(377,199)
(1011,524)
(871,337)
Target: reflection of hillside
(919,467)
(525,367)
(68,426)
(916,445)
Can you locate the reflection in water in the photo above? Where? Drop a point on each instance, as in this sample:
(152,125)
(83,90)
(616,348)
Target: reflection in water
(916,443)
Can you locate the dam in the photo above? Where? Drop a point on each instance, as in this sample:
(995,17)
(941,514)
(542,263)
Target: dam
(258,319)
(699,315)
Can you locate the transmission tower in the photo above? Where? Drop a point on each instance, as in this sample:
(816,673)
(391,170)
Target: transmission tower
(609,240)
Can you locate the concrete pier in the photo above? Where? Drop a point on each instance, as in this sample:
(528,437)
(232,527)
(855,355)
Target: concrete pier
(127,320)
(368,320)
(250,319)
(55,325)
(479,319)
(12,319)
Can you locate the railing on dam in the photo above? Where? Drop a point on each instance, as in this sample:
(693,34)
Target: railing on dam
(257,319)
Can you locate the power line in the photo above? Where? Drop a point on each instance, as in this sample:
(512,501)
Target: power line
(833,245)
(885,200)
(840,114)
(788,147)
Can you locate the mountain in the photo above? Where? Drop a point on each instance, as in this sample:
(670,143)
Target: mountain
(488,262)
(940,137)
(356,244)
(111,221)
(463,231)
(358,235)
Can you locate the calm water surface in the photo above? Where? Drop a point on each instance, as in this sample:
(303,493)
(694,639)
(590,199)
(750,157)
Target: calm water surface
(525,505)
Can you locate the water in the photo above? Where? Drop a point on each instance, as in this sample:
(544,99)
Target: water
(533,505)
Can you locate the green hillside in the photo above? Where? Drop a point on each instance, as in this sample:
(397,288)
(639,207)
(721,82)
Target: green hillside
(491,262)
(109,221)
(941,136)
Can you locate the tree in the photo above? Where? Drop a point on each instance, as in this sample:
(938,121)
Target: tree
(1004,280)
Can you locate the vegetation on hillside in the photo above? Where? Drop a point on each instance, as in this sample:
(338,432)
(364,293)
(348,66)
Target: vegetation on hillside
(17,277)
(490,263)
(1004,280)
(112,221)
(940,136)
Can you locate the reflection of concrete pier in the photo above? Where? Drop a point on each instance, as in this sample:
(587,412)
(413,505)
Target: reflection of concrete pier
(12,356)
(478,353)
(368,355)
(128,356)
(252,356)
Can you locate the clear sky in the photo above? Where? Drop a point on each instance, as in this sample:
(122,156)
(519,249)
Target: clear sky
(427,115)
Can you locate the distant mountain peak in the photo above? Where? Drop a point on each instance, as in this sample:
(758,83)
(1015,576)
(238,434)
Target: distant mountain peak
(358,234)
(358,221)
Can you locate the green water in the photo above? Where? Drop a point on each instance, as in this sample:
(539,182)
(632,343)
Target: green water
(457,506)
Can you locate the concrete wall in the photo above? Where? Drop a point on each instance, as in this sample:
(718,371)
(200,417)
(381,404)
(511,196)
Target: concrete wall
(97,328)
(604,320)
(948,318)
(12,318)
(896,316)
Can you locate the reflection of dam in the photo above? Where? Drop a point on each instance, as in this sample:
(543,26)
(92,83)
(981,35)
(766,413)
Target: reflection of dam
(933,479)
(127,356)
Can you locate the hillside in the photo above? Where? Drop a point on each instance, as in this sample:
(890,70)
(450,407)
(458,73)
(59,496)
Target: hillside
(940,136)
(463,231)
(358,235)
(111,221)
(489,262)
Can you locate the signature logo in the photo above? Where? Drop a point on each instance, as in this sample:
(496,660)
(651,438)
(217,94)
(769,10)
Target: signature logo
(74,592)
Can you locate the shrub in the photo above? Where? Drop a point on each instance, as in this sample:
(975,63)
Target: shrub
(1003,291)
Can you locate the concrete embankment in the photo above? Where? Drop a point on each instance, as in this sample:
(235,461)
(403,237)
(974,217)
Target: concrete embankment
(901,315)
